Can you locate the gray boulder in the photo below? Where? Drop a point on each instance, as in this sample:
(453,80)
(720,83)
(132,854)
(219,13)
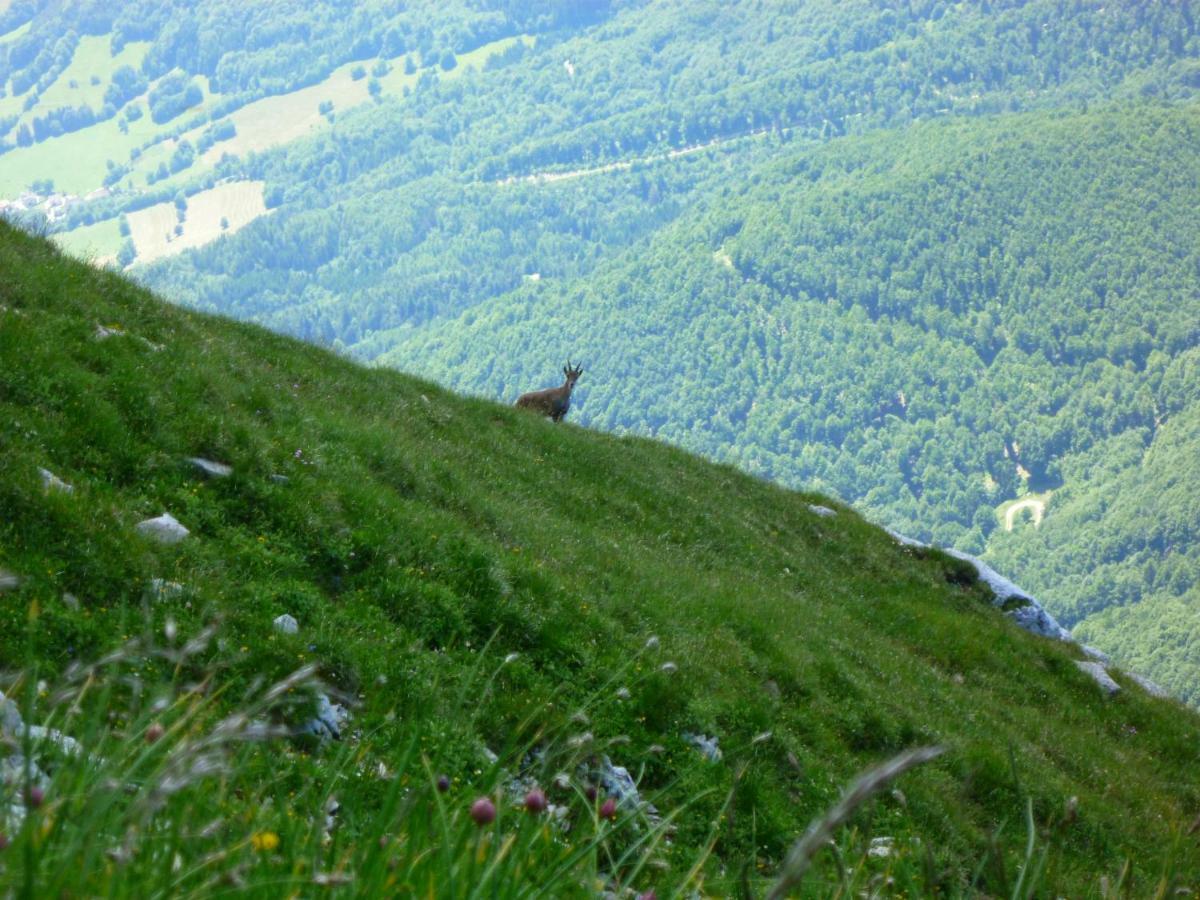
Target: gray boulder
(1100,675)
(209,468)
(164,529)
(706,745)
(15,776)
(51,483)
(8,581)
(286,624)
(11,723)
(1092,653)
(1148,686)
(328,723)
(823,511)
(1018,604)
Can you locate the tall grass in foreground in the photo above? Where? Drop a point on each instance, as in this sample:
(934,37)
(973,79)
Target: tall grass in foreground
(175,789)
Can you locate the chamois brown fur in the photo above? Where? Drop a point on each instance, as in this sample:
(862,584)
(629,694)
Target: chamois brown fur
(553,402)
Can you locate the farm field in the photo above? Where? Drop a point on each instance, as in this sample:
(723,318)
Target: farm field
(16,32)
(276,120)
(77,162)
(99,242)
(152,229)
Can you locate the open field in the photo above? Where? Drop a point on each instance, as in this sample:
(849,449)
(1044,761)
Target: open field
(93,58)
(16,32)
(99,242)
(1010,513)
(76,161)
(74,87)
(152,229)
(276,120)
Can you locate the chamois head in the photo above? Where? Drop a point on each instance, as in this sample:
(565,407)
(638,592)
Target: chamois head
(572,374)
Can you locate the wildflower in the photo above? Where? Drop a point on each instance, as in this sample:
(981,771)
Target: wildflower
(590,792)
(483,811)
(264,841)
(34,797)
(443,783)
(535,801)
(648,895)
(608,809)
(154,732)
(3,841)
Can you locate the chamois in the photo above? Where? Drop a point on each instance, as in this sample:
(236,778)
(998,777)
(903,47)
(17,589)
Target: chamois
(553,402)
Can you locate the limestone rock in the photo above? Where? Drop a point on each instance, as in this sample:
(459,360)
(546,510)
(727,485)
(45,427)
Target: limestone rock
(903,540)
(1100,675)
(209,468)
(823,511)
(286,624)
(8,581)
(328,722)
(1092,653)
(1148,686)
(51,483)
(618,783)
(165,529)
(13,773)
(11,723)
(1018,604)
(706,745)
(103,332)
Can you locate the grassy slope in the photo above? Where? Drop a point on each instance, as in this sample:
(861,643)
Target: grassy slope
(416,524)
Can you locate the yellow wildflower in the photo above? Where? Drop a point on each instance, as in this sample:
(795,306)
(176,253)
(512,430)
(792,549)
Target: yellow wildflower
(264,841)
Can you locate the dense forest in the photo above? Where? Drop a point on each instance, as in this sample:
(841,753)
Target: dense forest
(932,257)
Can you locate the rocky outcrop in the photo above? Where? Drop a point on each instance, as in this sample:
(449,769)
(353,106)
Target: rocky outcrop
(1100,675)
(1019,605)
(52,484)
(164,529)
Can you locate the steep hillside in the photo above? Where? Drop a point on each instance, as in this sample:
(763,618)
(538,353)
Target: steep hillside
(929,323)
(471,576)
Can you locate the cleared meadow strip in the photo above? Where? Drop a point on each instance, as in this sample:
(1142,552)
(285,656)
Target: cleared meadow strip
(153,228)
